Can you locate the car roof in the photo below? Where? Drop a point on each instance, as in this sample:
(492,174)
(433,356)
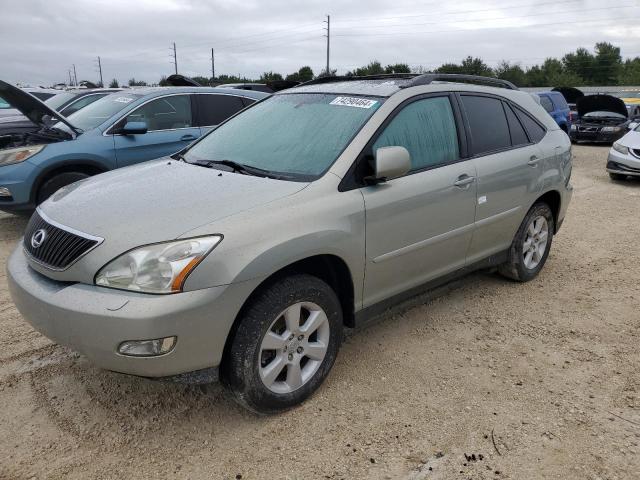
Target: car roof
(387,85)
(158,91)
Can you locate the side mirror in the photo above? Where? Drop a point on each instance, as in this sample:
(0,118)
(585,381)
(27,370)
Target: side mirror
(390,163)
(134,128)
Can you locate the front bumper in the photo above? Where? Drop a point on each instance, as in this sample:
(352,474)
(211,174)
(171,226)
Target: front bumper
(596,136)
(623,164)
(18,179)
(95,320)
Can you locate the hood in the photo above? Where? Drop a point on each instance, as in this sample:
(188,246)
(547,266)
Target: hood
(31,107)
(631,140)
(601,103)
(177,80)
(570,94)
(159,200)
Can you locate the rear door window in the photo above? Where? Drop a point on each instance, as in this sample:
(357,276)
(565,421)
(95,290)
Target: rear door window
(518,134)
(215,109)
(546,103)
(488,124)
(427,129)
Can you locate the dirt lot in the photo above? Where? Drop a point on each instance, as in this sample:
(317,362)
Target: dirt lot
(529,381)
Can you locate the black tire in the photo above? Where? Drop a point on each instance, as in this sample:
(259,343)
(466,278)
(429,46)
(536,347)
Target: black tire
(240,370)
(55,183)
(617,177)
(515,268)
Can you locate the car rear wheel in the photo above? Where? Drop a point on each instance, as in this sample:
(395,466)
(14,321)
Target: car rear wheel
(530,247)
(55,183)
(618,177)
(286,342)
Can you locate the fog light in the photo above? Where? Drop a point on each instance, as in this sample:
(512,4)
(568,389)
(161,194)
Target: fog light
(147,348)
(5,192)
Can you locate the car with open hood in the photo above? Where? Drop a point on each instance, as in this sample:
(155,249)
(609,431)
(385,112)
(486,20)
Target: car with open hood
(602,119)
(624,156)
(244,255)
(120,129)
(65,102)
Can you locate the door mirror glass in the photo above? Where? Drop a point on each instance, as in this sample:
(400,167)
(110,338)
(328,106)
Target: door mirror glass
(391,162)
(133,128)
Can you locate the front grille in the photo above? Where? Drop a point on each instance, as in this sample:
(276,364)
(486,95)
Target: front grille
(53,246)
(589,129)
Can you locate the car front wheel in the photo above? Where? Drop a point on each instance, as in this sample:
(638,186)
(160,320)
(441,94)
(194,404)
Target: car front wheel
(530,247)
(285,344)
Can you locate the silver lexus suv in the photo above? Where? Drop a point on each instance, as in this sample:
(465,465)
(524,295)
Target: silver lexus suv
(245,255)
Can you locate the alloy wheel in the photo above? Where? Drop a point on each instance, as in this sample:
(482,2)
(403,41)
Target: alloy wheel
(536,241)
(293,348)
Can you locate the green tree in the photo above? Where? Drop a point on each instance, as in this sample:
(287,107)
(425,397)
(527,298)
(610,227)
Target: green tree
(204,81)
(397,68)
(114,84)
(511,72)
(579,63)
(137,83)
(630,72)
(607,64)
(163,82)
(303,75)
(469,66)
(270,77)
(373,68)
(331,73)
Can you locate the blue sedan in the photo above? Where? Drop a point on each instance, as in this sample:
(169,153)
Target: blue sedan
(118,130)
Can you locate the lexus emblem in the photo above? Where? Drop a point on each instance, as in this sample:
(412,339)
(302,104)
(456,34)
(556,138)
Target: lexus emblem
(38,238)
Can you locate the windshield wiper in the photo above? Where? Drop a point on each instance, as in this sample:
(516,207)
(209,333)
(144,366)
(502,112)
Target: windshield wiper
(240,168)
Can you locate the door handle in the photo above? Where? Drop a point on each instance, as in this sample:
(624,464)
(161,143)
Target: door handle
(464,180)
(533,161)
(186,137)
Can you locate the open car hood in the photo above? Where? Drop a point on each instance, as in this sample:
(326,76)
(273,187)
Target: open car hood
(177,80)
(601,103)
(31,107)
(570,94)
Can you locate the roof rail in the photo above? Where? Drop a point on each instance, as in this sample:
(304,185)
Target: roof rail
(428,78)
(353,78)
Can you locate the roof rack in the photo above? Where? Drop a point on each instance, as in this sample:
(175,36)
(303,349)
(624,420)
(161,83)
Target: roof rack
(416,79)
(428,78)
(353,78)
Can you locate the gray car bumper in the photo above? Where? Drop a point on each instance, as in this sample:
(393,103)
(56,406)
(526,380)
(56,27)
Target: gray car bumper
(94,320)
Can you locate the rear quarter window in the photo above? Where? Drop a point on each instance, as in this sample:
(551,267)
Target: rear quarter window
(535,131)
(487,123)
(546,103)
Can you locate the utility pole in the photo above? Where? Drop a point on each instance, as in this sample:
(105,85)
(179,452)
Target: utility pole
(328,22)
(175,57)
(75,76)
(70,79)
(100,70)
(213,67)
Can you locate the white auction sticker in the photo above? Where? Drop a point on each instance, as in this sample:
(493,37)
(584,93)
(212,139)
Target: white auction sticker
(123,99)
(353,102)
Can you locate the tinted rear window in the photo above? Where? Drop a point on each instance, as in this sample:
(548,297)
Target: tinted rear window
(546,103)
(533,128)
(518,135)
(488,124)
(214,109)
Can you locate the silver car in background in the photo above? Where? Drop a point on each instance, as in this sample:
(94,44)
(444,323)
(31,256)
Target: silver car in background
(244,255)
(624,156)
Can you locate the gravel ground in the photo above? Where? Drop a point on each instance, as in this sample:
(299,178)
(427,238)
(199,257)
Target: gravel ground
(485,379)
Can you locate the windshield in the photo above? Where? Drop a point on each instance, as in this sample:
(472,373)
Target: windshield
(299,135)
(96,113)
(626,94)
(4,104)
(600,114)
(60,99)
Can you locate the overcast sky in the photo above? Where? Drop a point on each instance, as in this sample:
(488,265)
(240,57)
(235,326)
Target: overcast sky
(41,39)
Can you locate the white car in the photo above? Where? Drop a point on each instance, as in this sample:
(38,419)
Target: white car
(624,156)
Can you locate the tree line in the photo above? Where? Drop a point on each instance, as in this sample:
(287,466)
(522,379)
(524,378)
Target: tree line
(603,66)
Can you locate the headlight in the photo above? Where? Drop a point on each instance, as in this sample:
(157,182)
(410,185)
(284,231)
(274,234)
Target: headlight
(159,268)
(17,155)
(620,148)
(574,127)
(611,129)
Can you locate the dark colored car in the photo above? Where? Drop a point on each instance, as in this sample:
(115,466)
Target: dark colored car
(65,102)
(602,119)
(556,105)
